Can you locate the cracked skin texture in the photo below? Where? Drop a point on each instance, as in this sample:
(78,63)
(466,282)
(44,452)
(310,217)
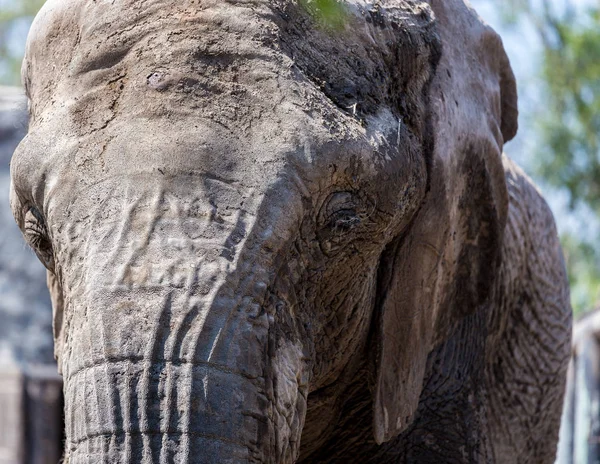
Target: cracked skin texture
(271,242)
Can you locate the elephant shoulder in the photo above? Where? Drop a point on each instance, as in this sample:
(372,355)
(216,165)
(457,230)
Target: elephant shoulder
(531,252)
(532,269)
(528,210)
(529,327)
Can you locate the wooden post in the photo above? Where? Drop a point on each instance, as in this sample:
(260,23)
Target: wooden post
(31,422)
(43,415)
(12,426)
(580,427)
(565,442)
(587,402)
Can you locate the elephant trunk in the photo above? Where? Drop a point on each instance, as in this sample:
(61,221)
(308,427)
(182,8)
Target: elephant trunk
(182,398)
(172,357)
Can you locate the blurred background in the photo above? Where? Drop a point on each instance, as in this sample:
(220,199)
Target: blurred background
(554,47)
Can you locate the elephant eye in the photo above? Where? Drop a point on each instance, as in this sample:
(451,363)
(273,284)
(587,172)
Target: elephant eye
(340,211)
(343,220)
(339,221)
(36,235)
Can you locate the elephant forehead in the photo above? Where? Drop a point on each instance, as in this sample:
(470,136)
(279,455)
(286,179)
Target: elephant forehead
(237,90)
(206,55)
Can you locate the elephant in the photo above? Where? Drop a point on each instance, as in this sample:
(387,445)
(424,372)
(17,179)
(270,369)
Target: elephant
(275,238)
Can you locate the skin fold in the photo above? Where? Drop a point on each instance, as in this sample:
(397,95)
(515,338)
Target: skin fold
(272,240)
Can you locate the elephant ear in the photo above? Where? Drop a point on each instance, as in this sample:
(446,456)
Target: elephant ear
(442,268)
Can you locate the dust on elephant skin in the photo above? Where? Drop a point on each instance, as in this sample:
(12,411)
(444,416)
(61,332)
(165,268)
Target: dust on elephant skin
(272,240)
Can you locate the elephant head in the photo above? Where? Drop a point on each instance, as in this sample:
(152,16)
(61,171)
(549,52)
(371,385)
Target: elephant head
(237,205)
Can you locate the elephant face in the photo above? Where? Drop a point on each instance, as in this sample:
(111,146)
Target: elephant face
(235,203)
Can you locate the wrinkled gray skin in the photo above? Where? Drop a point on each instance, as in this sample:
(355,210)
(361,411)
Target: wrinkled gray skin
(272,242)
(25,314)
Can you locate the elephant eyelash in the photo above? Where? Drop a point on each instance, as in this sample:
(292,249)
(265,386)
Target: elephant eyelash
(347,218)
(344,220)
(33,221)
(345,210)
(36,235)
(33,228)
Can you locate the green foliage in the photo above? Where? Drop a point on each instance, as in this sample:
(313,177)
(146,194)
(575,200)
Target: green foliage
(14,14)
(583,265)
(572,125)
(331,14)
(571,130)
(17,9)
(568,123)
